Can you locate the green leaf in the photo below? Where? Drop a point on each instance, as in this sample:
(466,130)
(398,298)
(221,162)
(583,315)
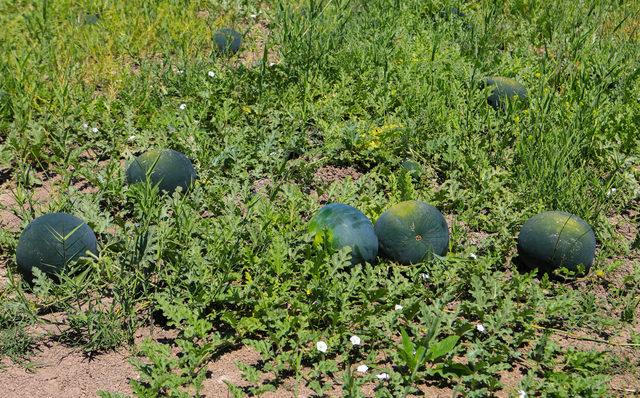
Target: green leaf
(442,347)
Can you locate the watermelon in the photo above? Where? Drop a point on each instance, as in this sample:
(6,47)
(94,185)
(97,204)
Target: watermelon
(227,41)
(167,168)
(345,226)
(412,167)
(411,231)
(52,241)
(504,89)
(555,239)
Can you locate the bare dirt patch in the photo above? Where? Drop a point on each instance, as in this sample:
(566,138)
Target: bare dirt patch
(62,372)
(331,174)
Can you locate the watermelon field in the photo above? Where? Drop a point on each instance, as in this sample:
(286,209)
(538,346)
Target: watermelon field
(319,198)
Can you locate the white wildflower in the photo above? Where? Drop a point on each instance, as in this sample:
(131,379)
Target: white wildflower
(211,73)
(522,394)
(271,63)
(321,346)
(398,307)
(473,256)
(480,328)
(611,191)
(183,107)
(95,129)
(362,369)
(355,340)
(85,126)
(424,276)
(131,138)
(254,16)
(383,376)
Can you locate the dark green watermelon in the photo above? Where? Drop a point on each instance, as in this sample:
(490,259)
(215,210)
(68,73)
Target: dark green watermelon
(411,231)
(52,241)
(342,225)
(227,41)
(555,239)
(504,89)
(412,167)
(167,168)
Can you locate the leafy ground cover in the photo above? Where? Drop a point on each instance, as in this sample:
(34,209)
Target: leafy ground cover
(325,102)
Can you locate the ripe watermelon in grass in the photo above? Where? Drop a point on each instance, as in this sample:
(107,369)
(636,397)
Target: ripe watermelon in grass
(411,231)
(227,41)
(52,241)
(166,168)
(504,89)
(341,225)
(555,239)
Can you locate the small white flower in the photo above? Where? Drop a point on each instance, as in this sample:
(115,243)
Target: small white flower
(473,256)
(254,16)
(522,394)
(480,328)
(131,138)
(211,73)
(321,346)
(95,129)
(383,376)
(85,126)
(355,340)
(398,307)
(424,276)
(611,191)
(183,107)
(271,63)
(362,369)
(179,71)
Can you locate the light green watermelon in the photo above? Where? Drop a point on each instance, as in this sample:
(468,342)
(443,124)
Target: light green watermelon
(167,168)
(345,226)
(555,239)
(52,241)
(411,231)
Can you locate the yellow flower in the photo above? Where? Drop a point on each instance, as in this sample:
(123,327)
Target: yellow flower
(600,273)
(516,119)
(373,144)
(538,75)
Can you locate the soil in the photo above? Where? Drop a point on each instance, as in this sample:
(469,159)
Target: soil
(329,174)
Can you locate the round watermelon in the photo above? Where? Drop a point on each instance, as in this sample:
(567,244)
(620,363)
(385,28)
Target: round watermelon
(555,239)
(412,167)
(227,41)
(166,168)
(504,89)
(52,241)
(345,226)
(411,231)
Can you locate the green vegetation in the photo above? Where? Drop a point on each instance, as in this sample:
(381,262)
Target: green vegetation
(356,86)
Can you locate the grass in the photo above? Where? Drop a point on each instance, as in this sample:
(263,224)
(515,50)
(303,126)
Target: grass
(344,83)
